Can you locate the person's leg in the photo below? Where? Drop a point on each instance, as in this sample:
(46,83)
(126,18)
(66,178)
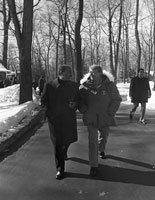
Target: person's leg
(58,152)
(65,150)
(143,110)
(134,108)
(59,158)
(102,140)
(93,146)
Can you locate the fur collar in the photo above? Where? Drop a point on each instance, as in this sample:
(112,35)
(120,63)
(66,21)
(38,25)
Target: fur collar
(106,73)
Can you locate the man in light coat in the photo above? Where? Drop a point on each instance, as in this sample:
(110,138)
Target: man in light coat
(101,100)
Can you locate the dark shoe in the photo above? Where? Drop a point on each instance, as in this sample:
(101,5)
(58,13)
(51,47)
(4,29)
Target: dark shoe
(102,155)
(65,157)
(59,175)
(93,171)
(131,116)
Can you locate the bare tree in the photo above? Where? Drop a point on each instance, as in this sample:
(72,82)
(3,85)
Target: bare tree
(125,49)
(23,35)
(6,21)
(137,36)
(154,42)
(114,43)
(78,54)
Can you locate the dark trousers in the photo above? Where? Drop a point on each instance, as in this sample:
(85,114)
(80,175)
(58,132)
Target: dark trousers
(59,150)
(59,158)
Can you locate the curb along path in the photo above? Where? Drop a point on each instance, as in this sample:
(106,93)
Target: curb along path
(34,121)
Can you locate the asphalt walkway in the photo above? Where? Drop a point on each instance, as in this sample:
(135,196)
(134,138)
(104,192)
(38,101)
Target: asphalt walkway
(128,173)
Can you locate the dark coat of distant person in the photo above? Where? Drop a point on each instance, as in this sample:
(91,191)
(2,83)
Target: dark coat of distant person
(1,84)
(139,90)
(7,82)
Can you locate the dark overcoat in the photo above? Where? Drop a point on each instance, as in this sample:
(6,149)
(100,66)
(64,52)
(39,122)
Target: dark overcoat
(56,97)
(139,90)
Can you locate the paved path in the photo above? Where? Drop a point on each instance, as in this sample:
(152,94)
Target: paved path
(127,173)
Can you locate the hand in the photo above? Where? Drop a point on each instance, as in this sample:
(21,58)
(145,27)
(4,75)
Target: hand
(72,105)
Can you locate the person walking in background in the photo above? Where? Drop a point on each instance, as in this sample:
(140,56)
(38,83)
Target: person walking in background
(41,84)
(60,99)
(139,91)
(101,100)
(1,84)
(34,85)
(7,82)
(14,81)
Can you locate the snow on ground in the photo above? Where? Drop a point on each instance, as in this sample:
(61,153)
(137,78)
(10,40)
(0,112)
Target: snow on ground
(11,113)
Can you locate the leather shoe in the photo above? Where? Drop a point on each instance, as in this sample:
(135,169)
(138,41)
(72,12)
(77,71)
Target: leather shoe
(59,175)
(66,156)
(93,171)
(102,155)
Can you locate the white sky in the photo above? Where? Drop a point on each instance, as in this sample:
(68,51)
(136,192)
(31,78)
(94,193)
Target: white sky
(11,113)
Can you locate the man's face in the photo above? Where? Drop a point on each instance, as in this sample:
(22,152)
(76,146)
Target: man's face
(95,74)
(141,74)
(67,74)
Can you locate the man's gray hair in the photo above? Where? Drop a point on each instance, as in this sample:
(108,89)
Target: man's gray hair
(96,67)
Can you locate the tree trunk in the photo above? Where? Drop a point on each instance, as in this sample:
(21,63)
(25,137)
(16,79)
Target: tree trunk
(6,22)
(118,41)
(127,52)
(154,45)
(110,41)
(78,54)
(137,36)
(25,53)
(24,41)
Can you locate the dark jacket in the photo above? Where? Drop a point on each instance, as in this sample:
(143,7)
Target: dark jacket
(55,98)
(101,103)
(139,90)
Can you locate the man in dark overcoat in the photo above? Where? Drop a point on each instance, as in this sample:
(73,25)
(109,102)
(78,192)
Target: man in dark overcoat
(139,92)
(60,100)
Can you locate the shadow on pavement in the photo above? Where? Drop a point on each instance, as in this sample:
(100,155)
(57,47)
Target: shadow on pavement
(119,174)
(133,162)
(123,119)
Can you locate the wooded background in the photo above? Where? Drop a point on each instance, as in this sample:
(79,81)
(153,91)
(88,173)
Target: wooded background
(38,35)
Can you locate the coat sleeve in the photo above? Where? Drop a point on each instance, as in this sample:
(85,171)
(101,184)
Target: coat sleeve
(115,100)
(82,104)
(77,98)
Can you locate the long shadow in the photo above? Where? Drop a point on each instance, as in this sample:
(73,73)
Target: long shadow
(123,118)
(119,174)
(133,162)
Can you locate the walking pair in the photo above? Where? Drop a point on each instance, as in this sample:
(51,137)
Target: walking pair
(97,99)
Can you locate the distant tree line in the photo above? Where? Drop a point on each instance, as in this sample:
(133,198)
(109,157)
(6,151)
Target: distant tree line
(117,34)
